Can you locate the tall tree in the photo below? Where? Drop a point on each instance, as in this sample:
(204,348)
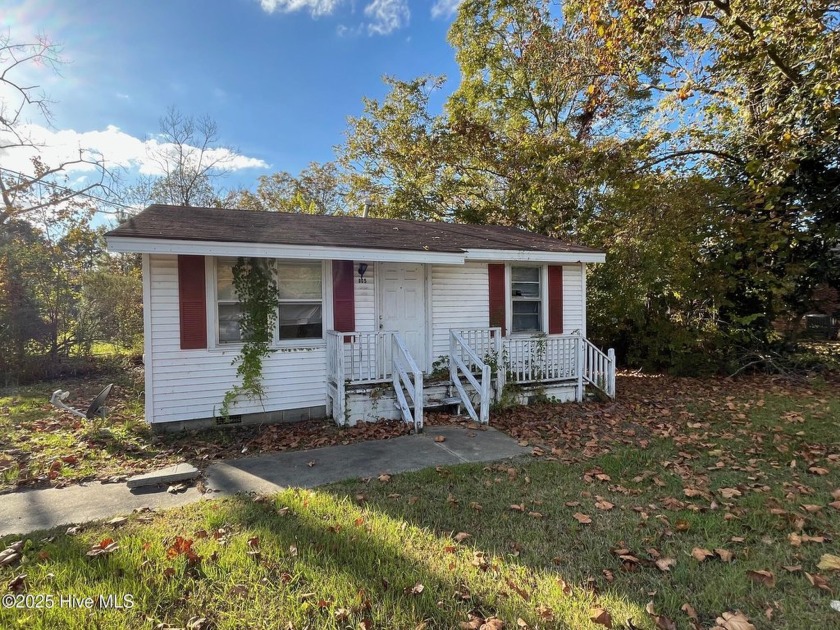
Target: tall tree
(190,160)
(45,189)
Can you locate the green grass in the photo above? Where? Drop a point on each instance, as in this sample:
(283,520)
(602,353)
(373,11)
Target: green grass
(351,553)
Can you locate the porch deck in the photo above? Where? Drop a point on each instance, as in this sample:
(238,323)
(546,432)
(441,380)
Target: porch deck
(481,364)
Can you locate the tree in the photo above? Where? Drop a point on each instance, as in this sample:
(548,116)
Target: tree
(318,189)
(46,190)
(190,160)
(756,88)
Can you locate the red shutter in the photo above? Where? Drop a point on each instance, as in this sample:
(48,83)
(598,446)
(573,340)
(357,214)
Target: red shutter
(498,295)
(192,299)
(555,299)
(344,297)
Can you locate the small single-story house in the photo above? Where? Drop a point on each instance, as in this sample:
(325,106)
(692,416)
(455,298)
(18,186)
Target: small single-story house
(377,318)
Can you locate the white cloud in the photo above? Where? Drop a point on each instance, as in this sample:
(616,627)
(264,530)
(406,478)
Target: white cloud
(386,16)
(116,147)
(315,7)
(445,8)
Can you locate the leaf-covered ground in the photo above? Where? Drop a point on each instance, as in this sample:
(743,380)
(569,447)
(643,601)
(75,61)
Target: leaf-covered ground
(43,446)
(687,504)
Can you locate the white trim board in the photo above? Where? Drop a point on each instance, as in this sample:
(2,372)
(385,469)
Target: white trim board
(263,250)
(329,252)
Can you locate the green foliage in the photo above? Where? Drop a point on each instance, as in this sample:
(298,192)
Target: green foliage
(256,288)
(318,189)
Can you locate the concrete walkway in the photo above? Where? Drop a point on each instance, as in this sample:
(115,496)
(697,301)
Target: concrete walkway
(23,512)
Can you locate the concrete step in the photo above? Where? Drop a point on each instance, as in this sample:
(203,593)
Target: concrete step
(433,403)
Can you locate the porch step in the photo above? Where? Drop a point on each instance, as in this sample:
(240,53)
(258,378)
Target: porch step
(434,403)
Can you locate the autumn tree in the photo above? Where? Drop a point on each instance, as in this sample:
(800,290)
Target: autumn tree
(755,87)
(317,189)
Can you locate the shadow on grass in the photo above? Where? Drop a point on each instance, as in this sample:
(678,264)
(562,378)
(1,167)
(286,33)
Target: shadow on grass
(323,561)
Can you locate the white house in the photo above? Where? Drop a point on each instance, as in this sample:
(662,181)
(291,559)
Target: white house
(377,318)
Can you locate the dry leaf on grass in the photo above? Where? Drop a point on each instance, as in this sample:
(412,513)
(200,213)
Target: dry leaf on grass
(700,554)
(829,562)
(733,621)
(763,576)
(601,617)
(583,519)
(461,537)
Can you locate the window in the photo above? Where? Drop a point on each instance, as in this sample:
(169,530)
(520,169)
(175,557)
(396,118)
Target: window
(301,301)
(526,297)
(299,308)
(229,311)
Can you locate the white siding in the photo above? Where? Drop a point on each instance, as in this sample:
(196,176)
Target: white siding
(573,297)
(365,295)
(460,299)
(190,384)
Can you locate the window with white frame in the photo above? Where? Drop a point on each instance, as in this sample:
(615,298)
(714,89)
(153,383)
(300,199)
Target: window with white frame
(526,299)
(300,313)
(228,310)
(299,308)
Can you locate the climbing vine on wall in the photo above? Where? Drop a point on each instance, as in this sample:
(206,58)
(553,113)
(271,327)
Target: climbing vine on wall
(256,288)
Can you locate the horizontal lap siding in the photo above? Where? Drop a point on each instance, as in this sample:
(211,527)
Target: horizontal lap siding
(572,300)
(460,299)
(366,299)
(190,384)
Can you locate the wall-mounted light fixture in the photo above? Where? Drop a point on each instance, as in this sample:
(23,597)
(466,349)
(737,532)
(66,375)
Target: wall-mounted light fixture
(362,269)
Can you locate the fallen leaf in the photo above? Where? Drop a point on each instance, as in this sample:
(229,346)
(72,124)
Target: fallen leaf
(819,471)
(688,609)
(601,617)
(604,505)
(725,554)
(818,581)
(440,438)
(583,519)
(414,590)
(729,493)
(384,478)
(734,621)
(700,554)
(518,508)
(765,577)
(665,564)
(461,537)
(662,622)
(829,562)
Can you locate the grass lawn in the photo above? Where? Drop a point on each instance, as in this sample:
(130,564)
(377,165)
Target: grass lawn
(715,501)
(44,446)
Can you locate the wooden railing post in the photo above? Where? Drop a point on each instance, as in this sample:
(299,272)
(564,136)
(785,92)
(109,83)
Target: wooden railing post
(581,367)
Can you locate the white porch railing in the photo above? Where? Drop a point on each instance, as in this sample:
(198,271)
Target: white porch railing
(464,360)
(542,358)
(336,383)
(408,377)
(368,356)
(599,368)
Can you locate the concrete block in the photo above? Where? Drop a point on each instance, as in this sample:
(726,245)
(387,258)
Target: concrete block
(172,474)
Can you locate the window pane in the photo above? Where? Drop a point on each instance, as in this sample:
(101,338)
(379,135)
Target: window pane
(299,282)
(526,323)
(300,321)
(224,282)
(525,308)
(229,331)
(525,274)
(526,289)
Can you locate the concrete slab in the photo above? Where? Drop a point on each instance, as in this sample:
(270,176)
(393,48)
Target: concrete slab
(171,474)
(475,445)
(23,512)
(269,473)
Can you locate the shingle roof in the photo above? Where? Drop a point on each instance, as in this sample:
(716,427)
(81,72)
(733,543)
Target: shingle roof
(246,226)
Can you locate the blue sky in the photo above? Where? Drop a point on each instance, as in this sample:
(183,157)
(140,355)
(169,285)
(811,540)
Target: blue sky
(279,77)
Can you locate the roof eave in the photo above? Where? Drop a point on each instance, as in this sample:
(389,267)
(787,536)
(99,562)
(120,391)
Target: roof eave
(141,245)
(508,255)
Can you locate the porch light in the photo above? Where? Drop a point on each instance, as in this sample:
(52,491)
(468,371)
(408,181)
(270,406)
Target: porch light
(362,269)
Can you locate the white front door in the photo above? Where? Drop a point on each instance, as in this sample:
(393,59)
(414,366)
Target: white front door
(402,305)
